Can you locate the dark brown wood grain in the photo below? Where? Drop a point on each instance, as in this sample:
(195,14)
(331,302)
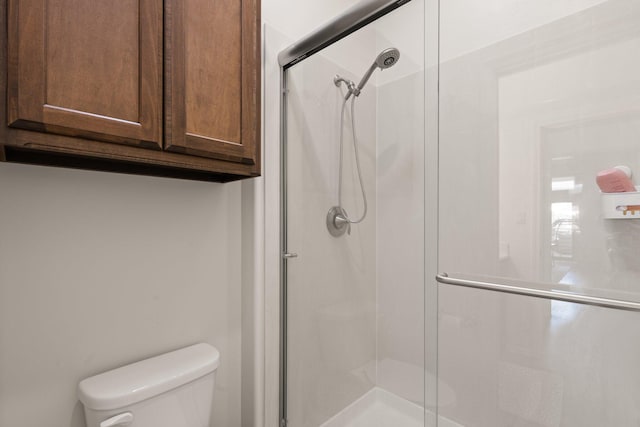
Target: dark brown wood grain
(87,68)
(93,71)
(60,125)
(27,140)
(212,79)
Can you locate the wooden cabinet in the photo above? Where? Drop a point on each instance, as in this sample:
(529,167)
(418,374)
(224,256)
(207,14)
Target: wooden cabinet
(87,68)
(142,86)
(211,99)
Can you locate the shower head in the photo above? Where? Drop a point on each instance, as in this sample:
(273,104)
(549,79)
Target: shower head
(387,58)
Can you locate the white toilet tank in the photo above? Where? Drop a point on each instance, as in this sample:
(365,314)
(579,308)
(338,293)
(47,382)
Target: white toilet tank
(171,390)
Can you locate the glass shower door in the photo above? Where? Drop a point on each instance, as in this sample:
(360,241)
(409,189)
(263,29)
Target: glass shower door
(355,300)
(331,282)
(535,101)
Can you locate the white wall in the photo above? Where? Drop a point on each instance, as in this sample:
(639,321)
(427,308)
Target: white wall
(469,25)
(296,19)
(99,270)
(400,237)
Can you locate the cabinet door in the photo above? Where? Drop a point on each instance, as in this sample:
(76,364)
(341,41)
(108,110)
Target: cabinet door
(90,68)
(212,78)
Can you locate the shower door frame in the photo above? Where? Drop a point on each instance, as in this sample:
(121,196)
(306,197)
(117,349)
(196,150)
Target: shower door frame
(350,21)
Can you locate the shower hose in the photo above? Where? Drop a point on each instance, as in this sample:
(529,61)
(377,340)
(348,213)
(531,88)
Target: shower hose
(357,157)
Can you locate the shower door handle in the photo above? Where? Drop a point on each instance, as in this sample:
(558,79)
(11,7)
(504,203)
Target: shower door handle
(531,290)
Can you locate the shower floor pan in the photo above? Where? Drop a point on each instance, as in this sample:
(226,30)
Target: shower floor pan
(379,408)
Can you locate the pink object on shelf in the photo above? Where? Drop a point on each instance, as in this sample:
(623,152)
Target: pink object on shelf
(614,180)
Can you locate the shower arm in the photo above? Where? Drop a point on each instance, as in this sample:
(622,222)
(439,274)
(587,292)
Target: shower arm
(351,86)
(352,89)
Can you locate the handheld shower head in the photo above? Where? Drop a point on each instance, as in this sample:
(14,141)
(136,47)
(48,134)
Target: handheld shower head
(387,58)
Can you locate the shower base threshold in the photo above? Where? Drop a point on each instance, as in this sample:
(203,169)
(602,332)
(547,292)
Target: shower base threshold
(379,408)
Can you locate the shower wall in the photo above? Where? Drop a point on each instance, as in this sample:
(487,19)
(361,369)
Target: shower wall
(536,98)
(400,174)
(400,237)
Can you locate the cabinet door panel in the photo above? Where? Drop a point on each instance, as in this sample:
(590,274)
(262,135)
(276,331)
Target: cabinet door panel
(88,68)
(212,88)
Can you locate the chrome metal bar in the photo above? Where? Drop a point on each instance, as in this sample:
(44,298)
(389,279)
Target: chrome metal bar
(351,20)
(541,293)
(283,249)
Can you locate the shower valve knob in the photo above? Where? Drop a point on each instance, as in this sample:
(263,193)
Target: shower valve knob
(337,222)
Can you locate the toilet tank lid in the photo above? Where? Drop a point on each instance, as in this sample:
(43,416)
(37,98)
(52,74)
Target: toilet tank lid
(148,378)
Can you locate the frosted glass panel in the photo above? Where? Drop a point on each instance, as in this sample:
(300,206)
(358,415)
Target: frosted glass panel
(528,119)
(509,360)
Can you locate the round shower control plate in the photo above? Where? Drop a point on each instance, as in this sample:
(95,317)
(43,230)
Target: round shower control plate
(337,223)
